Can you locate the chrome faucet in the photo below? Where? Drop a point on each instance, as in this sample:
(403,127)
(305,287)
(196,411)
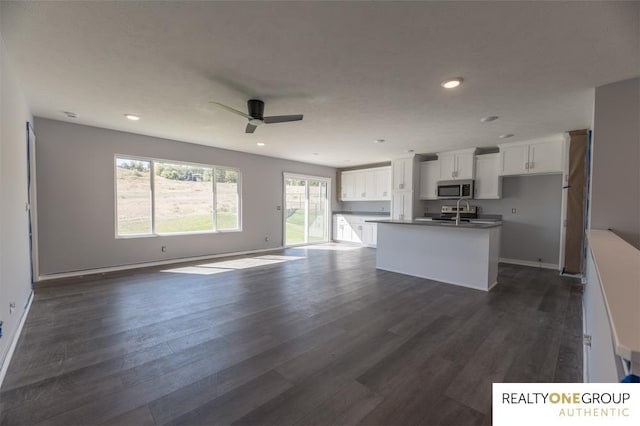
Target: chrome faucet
(458,210)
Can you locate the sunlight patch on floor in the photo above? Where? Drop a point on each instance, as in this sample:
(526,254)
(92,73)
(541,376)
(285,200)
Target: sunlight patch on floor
(232,265)
(330,247)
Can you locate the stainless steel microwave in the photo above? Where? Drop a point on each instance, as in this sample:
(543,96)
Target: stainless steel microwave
(455,189)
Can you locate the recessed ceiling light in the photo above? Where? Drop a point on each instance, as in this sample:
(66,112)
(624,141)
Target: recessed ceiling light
(132,117)
(379,141)
(409,150)
(489,118)
(452,83)
(507,135)
(315,153)
(70,114)
(260,143)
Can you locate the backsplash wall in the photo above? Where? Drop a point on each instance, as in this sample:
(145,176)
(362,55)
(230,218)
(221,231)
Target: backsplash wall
(366,206)
(533,232)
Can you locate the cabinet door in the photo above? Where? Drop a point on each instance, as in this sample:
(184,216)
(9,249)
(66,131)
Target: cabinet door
(488,183)
(402,174)
(369,185)
(369,234)
(382,184)
(348,186)
(447,166)
(514,159)
(465,166)
(397,205)
(546,157)
(429,175)
(360,185)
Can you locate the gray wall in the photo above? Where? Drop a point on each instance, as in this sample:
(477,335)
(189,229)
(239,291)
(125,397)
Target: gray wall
(76,198)
(367,206)
(15,275)
(534,231)
(615,190)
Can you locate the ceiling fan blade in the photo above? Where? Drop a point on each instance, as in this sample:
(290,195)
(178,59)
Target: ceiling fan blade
(250,128)
(282,118)
(233,110)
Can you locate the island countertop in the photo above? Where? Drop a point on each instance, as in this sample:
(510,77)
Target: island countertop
(463,225)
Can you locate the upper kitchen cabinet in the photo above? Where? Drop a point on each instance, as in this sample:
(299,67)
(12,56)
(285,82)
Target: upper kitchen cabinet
(382,183)
(488,183)
(429,176)
(366,184)
(457,164)
(533,157)
(403,174)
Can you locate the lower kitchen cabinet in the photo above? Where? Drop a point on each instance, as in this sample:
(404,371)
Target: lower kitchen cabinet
(355,229)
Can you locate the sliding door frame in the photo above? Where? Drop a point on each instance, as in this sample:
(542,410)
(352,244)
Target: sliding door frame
(328,181)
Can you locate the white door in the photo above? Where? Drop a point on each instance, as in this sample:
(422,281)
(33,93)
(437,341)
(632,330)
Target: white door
(360,185)
(369,185)
(398,175)
(514,159)
(397,207)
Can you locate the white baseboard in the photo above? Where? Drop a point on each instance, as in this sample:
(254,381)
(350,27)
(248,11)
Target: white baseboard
(149,264)
(14,340)
(530,263)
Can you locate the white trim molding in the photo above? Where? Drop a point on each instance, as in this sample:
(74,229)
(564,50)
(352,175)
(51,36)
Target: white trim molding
(150,264)
(14,340)
(530,263)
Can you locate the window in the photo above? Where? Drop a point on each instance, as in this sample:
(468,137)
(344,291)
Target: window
(133,189)
(183,198)
(161,197)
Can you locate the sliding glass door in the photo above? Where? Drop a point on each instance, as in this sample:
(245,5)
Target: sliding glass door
(306,209)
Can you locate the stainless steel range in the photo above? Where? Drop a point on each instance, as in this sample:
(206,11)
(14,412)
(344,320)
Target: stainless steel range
(448,213)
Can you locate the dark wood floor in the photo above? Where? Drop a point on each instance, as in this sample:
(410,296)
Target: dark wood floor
(321,339)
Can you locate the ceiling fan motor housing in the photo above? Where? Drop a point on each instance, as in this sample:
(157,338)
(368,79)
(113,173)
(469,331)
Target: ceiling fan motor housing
(256,108)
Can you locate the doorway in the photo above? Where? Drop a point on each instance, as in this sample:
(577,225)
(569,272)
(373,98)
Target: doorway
(306,209)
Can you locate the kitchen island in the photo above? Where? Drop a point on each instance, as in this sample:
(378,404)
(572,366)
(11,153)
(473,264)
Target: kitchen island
(466,254)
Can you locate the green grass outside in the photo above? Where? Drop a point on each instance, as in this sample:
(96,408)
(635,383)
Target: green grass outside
(181,224)
(295,228)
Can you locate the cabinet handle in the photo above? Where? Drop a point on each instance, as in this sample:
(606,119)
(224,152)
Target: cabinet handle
(526,165)
(364,194)
(532,165)
(401,186)
(384,194)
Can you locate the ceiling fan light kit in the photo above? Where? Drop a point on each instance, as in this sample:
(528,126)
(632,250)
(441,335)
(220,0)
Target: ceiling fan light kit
(255,108)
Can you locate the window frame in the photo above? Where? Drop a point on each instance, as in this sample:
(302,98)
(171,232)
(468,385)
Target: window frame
(153,161)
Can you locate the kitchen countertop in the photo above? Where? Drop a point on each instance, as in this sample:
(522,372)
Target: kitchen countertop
(617,265)
(466,225)
(365,213)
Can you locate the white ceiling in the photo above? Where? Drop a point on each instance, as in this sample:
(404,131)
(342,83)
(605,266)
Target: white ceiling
(358,71)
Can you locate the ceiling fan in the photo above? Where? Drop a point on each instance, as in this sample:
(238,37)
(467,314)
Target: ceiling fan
(255,115)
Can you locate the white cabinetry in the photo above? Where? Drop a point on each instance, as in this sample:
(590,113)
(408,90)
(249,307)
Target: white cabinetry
(403,174)
(355,229)
(488,183)
(532,157)
(402,205)
(382,183)
(457,164)
(366,184)
(429,176)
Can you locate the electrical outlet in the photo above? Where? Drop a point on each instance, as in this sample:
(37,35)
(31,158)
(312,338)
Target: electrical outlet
(12,307)
(163,249)
(278,208)
(513,210)
(266,239)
